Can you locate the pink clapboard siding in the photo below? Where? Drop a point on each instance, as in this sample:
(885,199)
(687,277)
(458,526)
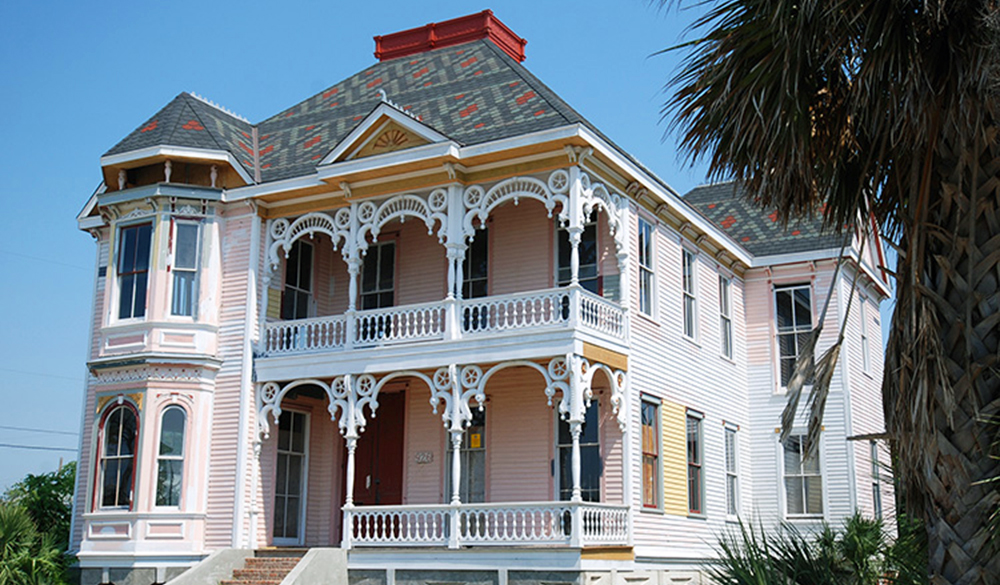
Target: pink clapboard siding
(222,483)
(521,434)
(425,434)
(521,243)
(421,267)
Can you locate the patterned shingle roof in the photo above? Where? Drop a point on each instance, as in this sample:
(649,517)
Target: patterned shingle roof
(191,122)
(760,232)
(471,93)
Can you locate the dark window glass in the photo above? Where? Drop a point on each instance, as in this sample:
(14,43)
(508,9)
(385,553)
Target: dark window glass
(377,274)
(591,467)
(133,269)
(119,435)
(296,297)
(588,259)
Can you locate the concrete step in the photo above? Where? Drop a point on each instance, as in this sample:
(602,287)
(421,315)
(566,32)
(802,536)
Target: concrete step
(280,552)
(261,574)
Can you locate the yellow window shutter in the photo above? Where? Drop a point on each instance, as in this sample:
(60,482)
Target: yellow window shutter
(674,454)
(273,303)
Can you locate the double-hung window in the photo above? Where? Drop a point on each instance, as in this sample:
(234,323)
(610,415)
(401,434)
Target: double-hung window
(587,250)
(866,360)
(378,274)
(170,458)
(297,296)
(650,415)
(690,291)
(732,473)
(117,457)
(695,452)
(590,458)
(726,315)
(646,282)
(185,269)
(876,481)
(803,479)
(793,312)
(133,269)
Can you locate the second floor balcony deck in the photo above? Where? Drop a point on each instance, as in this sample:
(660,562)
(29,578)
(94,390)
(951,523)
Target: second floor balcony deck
(568,309)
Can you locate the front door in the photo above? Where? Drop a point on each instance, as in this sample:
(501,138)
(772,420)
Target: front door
(290,479)
(378,477)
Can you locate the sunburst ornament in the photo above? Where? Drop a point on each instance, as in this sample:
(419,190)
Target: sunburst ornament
(391,139)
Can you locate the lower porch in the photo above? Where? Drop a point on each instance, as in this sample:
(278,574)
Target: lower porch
(521,459)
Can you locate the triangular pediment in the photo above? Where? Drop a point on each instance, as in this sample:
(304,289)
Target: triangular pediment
(386,129)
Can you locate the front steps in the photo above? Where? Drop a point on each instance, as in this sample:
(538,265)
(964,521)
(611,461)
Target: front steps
(266,567)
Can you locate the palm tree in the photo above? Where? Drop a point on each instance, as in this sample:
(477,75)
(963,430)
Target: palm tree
(885,109)
(26,556)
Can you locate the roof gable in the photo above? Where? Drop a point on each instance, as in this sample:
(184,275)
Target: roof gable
(387,128)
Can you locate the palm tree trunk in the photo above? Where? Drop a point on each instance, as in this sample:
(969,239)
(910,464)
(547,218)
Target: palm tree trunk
(942,382)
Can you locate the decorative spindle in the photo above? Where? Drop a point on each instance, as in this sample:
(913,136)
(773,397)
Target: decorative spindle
(167,171)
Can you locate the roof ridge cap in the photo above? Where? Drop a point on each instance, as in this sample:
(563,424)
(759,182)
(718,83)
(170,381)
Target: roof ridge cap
(222,109)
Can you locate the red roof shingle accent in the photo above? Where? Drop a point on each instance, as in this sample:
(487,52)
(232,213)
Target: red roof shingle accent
(330,92)
(151,126)
(728,222)
(523,99)
(267,150)
(374,82)
(246,148)
(420,73)
(459,96)
(796,232)
(334,104)
(773,216)
(312,142)
(468,61)
(468,110)
(539,112)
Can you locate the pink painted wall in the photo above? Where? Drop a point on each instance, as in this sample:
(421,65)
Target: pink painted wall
(421,266)
(521,248)
(425,433)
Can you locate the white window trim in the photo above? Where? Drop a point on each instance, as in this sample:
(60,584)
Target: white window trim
(692,294)
(700,416)
(115,278)
(304,497)
(182,457)
(775,287)
(782,496)
(196,289)
(735,429)
(726,318)
(651,267)
(865,341)
(658,406)
(98,492)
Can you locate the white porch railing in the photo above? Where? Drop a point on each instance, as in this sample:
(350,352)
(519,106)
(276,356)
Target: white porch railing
(560,523)
(553,308)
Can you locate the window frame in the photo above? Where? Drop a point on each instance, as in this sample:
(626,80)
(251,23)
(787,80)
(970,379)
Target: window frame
(731,447)
(195,271)
(795,331)
(804,515)
(689,293)
(646,400)
(297,288)
(558,476)
(866,358)
(597,279)
(647,267)
(99,463)
(379,289)
(726,316)
(161,458)
(483,236)
(877,509)
(304,479)
(697,463)
(119,273)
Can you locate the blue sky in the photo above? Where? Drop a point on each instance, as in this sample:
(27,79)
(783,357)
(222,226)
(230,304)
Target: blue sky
(78,76)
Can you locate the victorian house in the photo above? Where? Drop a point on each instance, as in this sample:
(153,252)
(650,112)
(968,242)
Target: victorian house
(432,317)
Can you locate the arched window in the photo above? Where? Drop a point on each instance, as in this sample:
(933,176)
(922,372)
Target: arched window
(170,458)
(119,434)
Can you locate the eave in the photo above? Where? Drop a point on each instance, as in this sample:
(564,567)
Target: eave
(156,154)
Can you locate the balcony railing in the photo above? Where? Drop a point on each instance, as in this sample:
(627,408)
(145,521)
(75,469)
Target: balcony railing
(448,320)
(535,523)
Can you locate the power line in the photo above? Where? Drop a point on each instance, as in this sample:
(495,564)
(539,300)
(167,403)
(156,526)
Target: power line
(39,259)
(41,374)
(36,447)
(31,430)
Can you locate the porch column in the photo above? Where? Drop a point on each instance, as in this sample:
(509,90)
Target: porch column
(455,253)
(577,415)
(575,228)
(346,535)
(457,430)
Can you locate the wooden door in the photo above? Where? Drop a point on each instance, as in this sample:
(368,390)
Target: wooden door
(378,476)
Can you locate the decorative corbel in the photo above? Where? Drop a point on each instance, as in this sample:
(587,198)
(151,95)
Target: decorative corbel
(661,209)
(168,169)
(122,179)
(570,153)
(450,169)
(214,175)
(346,188)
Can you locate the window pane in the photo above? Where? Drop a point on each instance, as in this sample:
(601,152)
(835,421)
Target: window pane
(793,495)
(387,263)
(284,427)
(305,266)
(187,246)
(168,482)
(292,518)
(143,241)
(110,483)
(298,432)
(694,440)
(814,495)
(127,290)
(139,301)
(294,474)
(182,302)
(126,250)
(112,431)
(279,517)
(803,310)
(172,432)
(694,489)
(793,456)
(292,265)
(588,245)
(128,431)
(590,473)
(281,488)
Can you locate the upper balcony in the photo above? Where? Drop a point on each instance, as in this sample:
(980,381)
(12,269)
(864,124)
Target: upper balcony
(532,262)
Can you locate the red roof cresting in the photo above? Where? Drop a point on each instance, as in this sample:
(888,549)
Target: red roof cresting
(482,25)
